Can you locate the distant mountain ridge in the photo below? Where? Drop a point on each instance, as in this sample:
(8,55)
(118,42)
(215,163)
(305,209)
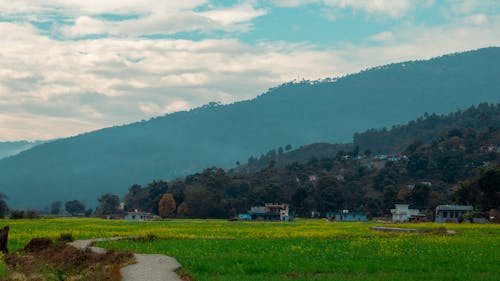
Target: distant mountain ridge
(112,159)
(10,148)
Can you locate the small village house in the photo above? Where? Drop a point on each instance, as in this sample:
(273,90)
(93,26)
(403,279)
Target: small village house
(456,213)
(138,216)
(345,215)
(268,212)
(402,213)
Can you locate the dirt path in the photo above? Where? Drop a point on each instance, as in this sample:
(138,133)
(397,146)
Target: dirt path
(147,268)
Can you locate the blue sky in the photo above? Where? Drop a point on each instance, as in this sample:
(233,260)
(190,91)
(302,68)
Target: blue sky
(67,67)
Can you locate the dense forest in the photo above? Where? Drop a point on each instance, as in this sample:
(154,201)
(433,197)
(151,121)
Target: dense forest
(297,113)
(452,158)
(399,137)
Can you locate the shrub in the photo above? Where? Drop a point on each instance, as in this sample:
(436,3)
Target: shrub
(66,237)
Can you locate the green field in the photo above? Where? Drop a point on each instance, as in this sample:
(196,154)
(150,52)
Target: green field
(301,250)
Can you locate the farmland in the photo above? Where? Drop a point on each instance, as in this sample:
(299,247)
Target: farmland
(301,250)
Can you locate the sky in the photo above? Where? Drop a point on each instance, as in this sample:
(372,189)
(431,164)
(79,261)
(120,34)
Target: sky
(68,67)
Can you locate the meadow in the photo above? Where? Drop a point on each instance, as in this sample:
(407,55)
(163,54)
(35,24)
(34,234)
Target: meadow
(300,250)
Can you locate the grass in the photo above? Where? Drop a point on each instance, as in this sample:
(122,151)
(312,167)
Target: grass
(3,269)
(301,250)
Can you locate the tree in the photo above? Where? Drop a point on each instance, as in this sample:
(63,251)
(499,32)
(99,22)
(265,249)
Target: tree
(166,205)
(482,192)
(203,203)
(419,196)
(329,195)
(298,199)
(109,204)
(3,205)
(88,212)
(489,187)
(74,207)
(136,198)
(55,207)
(389,193)
(155,190)
(183,210)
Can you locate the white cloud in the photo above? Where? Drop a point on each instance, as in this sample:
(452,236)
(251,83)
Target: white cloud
(385,36)
(233,15)
(477,19)
(51,88)
(136,17)
(177,105)
(391,8)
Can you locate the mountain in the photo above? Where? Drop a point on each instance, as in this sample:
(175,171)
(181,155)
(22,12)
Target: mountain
(457,161)
(14,147)
(375,142)
(112,159)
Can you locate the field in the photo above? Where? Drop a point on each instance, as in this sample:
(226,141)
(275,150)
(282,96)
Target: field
(301,250)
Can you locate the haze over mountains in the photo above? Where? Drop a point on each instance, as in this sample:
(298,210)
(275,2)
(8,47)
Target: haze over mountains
(110,160)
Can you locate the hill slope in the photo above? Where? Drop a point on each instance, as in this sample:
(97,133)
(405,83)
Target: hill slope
(14,147)
(426,127)
(112,159)
(372,142)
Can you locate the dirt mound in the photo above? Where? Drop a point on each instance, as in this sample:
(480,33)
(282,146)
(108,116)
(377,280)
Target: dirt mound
(44,259)
(37,245)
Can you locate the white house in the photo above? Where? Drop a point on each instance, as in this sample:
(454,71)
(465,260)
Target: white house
(402,213)
(138,216)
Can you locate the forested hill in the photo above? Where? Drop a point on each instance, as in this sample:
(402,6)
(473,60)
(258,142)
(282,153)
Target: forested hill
(394,140)
(110,160)
(461,166)
(426,128)
(284,156)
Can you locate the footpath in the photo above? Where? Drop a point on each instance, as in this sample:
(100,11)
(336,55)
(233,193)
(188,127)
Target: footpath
(147,268)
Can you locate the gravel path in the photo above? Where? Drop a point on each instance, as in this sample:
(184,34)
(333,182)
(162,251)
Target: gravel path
(147,268)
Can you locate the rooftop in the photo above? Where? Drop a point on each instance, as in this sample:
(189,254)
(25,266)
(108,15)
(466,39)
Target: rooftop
(454,208)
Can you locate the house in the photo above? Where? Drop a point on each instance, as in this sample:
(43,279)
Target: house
(402,213)
(268,212)
(138,216)
(245,217)
(380,157)
(453,213)
(418,218)
(345,215)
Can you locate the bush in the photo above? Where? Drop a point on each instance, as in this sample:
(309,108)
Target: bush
(66,237)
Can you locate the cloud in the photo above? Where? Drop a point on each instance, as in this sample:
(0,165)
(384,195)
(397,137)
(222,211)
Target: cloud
(384,36)
(89,84)
(80,19)
(234,15)
(52,88)
(390,8)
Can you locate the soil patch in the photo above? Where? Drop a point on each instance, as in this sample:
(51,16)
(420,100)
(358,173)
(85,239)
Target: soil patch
(44,259)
